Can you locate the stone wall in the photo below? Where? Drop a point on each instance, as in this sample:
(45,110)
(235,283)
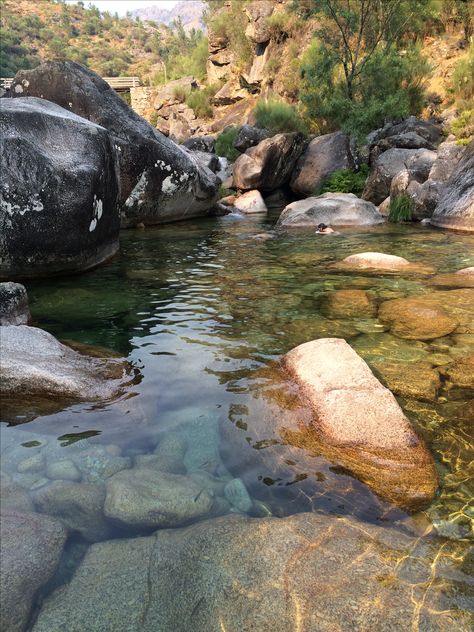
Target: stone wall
(141,100)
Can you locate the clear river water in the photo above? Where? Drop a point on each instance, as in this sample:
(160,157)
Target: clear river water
(203,311)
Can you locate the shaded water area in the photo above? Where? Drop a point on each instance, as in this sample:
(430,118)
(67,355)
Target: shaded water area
(204,311)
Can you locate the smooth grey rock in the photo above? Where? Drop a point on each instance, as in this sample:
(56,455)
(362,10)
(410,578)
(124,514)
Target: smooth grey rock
(59,190)
(79,506)
(385,168)
(14,308)
(160,181)
(324,155)
(63,470)
(333,209)
(30,548)
(455,209)
(240,574)
(33,362)
(146,498)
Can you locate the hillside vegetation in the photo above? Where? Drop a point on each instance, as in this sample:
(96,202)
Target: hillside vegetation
(109,45)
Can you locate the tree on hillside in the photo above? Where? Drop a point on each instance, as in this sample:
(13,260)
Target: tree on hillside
(362,68)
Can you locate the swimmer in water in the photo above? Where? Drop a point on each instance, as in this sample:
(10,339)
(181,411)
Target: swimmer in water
(323,229)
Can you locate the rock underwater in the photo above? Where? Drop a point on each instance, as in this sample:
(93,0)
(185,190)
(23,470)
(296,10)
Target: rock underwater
(311,572)
(160,181)
(59,191)
(359,424)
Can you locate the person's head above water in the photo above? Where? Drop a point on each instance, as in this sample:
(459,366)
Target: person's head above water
(322,227)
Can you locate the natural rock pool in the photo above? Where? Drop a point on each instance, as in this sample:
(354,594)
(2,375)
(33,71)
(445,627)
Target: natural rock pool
(204,311)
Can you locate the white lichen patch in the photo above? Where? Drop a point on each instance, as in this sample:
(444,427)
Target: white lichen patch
(97,209)
(33,204)
(18,88)
(138,193)
(168,186)
(162,165)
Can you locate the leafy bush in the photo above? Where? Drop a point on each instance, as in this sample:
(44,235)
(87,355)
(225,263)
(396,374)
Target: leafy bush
(153,120)
(463,127)
(230,26)
(225,144)
(200,101)
(346,181)
(180,93)
(277,117)
(400,209)
(463,77)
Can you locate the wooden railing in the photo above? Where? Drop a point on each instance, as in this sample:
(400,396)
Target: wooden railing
(119,84)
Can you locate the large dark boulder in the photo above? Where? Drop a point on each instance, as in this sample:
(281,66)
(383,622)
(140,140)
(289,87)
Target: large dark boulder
(389,164)
(270,164)
(58,193)
(250,136)
(324,155)
(160,180)
(455,209)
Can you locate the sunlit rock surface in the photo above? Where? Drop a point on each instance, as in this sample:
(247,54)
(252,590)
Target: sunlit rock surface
(269,164)
(308,572)
(455,209)
(333,209)
(59,190)
(361,423)
(415,319)
(34,363)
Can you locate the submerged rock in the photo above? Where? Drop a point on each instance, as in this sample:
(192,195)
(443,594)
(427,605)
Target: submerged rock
(324,155)
(35,363)
(455,209)
(415,319)
(160,181)
(268,165)
(333,209)
(30,547)
(461,278)
(59,191)
(348,304)
(310,572)
(14,308)
(147,498)
(417,379)
(458,378)
(79,506)
(361,423)
(379,261)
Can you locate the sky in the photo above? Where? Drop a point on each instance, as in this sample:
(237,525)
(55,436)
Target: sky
(122,6)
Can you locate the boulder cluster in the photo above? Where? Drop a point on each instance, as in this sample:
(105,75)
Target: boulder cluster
(78,164)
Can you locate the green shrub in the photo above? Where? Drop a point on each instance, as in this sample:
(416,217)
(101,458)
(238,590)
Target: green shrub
(200,101)
(346,181)
(225,144)
(230,26)
(463,127)
(400,209)
(463,77)
(153,120)
(277,117)
(180,93)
